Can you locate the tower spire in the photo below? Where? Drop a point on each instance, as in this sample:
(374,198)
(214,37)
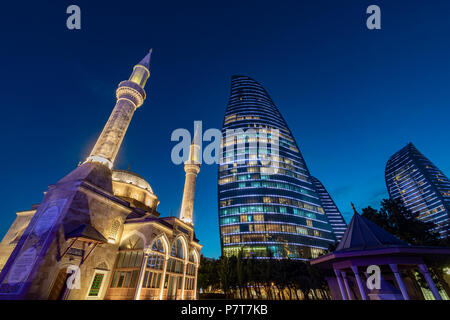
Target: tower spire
(146,60)
(194,150)
(130,95)
(192,168)
(354,209)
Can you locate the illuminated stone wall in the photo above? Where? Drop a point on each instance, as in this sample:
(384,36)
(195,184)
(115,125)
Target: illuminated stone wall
(13,235)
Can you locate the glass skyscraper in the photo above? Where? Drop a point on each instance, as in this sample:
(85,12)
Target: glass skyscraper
(266,208)
(420,185)
(331,210)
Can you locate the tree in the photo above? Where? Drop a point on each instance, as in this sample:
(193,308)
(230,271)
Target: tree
(227,274)
(238,275)
(401,222)
(208,279)
(241,274)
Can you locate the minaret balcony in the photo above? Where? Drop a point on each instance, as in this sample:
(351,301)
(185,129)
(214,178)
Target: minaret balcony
(131,91)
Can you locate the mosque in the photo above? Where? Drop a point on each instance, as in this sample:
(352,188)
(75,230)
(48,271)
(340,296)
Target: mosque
(97,234)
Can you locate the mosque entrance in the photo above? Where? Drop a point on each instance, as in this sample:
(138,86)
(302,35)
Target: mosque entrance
(59,286)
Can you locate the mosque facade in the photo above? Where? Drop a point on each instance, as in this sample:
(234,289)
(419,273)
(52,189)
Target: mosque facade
(97,234)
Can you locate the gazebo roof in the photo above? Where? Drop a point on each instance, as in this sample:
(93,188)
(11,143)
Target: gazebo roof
(363,234)
(366,242)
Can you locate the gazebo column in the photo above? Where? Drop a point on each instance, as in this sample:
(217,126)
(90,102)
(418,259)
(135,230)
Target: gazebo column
(341,286)
(424,270)
(360,284)
(399,280)
(347,287)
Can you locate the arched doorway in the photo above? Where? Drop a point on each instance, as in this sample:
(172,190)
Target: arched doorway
(59,286)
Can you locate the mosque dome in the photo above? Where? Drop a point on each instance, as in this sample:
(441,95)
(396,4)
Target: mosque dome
(134,189)
(131,178)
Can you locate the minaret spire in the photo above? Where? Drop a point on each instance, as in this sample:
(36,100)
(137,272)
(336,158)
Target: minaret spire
(192,168)
(146,60)
(130,95)
(354,209)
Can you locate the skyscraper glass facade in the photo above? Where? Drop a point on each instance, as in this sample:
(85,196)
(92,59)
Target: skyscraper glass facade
(420,185)
(266,208)
(335,217)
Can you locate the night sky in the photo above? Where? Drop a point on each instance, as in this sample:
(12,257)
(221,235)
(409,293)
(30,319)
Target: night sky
(351,96)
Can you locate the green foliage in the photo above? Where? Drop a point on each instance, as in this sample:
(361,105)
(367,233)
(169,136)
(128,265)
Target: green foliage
(250,278)
(208,278)
(396,219)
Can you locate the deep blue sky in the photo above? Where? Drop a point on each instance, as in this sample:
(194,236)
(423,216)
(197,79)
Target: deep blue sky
(352,97)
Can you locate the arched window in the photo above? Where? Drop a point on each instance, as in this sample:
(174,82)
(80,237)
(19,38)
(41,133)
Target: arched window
(154,269)
(190,275)
(192,257)
(175,270)
(177,249)
(158,246)
(128,264)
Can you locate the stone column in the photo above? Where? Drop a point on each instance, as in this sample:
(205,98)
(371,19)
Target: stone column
(141,277)
(341,287)
(347,287)
(184,280)
(399,280)
(360,284)
(424,271)
(195,283)
(163,277)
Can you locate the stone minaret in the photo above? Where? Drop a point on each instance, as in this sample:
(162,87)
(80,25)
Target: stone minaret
(130,95)
(74,203)
(192,168)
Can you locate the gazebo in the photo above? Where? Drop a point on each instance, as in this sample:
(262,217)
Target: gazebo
(365,244)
